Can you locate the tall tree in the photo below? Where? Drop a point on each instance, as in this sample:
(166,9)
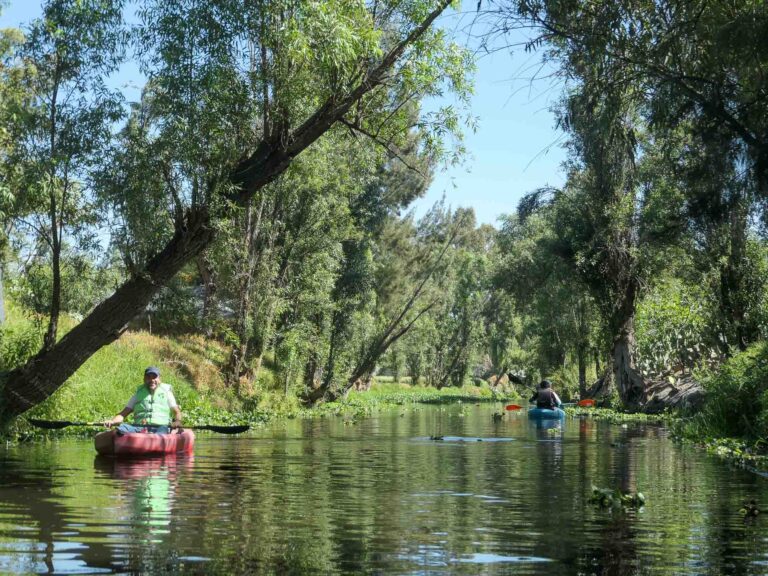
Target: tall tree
(73,48)
(13,93)
(554,302)
(699,69)
(233,123)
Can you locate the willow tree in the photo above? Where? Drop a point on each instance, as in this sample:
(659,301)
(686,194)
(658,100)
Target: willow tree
(13,93)
(242,88)
(539,276)
(596,218)
(65,122)
(700,69)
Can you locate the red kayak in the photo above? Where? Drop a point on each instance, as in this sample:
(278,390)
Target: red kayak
(110,444)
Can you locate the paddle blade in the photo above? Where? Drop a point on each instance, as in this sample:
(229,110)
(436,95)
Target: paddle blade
(223,429)
(513,407)
(586,403)
(51,424)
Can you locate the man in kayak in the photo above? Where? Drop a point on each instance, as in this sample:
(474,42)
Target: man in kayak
(545,397)
(152,405)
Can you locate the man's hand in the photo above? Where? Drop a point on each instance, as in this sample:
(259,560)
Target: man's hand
(117,420)
(176,423)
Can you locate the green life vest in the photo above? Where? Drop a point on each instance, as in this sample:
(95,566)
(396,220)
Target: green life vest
(152,410)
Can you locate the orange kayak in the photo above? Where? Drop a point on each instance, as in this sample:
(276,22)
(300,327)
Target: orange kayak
(110,444)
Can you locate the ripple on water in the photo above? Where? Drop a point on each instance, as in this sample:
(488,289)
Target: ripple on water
(486,558)
(382,497)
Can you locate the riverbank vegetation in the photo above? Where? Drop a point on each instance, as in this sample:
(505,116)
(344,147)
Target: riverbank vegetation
(246,218)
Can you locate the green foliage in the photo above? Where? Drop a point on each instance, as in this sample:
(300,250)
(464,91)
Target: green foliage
(672,328)
(18,344)
(565,380)
(736,403)
(737,452)
(85,283)
(621,417)
(557,319)
(616,499)
(263,123)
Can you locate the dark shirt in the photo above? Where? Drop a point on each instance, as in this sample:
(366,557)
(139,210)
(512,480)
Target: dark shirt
(545,398)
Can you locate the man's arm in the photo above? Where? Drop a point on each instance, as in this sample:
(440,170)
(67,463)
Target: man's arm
(119,418)
(173,405)
(176,417)
(557,399)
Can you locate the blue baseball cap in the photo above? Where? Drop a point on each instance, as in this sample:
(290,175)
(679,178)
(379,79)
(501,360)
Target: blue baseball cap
(152,370)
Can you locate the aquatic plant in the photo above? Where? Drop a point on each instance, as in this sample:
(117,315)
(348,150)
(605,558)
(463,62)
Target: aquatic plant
(616,499)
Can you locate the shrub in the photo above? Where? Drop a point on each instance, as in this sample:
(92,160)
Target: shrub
(671,328)
(737,398)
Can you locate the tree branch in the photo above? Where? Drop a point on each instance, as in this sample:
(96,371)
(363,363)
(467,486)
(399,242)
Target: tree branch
(394,151)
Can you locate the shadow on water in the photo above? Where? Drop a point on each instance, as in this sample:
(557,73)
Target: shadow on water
(494,496)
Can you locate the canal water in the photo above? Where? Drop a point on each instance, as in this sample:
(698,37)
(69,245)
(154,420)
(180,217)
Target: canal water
(380,496)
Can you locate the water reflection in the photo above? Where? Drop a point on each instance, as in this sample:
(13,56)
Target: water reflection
(326,497)
(149,486)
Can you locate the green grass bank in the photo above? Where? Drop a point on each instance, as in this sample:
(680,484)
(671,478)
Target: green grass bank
(192,365)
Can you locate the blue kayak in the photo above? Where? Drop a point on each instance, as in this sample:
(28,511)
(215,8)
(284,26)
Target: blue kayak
(546,414)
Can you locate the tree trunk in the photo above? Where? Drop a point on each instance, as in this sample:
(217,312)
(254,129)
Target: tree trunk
(581,354)
(732,273)
(239,352)
(311,381)
(261,340)
(208,276)
(49,339)
(629,380)
(41,376)
(53,319)
(597,361)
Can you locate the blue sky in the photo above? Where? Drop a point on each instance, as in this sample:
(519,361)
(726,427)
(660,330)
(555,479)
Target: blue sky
(515,149)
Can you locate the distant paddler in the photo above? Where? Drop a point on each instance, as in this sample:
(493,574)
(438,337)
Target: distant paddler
(152,405)
(545,397)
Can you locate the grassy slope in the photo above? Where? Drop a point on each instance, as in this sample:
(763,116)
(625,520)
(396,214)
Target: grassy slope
(100,388)
(192,364)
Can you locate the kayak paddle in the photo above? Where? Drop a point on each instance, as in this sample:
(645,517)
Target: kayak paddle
(513,407)
(587,403)
(221,429)
(58,424)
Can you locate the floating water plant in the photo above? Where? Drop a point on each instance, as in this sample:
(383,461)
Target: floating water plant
(608,498)
(750,509)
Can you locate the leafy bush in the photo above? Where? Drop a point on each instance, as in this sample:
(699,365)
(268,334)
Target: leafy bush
(737,398)
(672,328)
(21,335)
(18,344)
(84,284)
(175,308)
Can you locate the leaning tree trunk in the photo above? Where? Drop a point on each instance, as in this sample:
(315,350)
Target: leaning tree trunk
(43,374)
